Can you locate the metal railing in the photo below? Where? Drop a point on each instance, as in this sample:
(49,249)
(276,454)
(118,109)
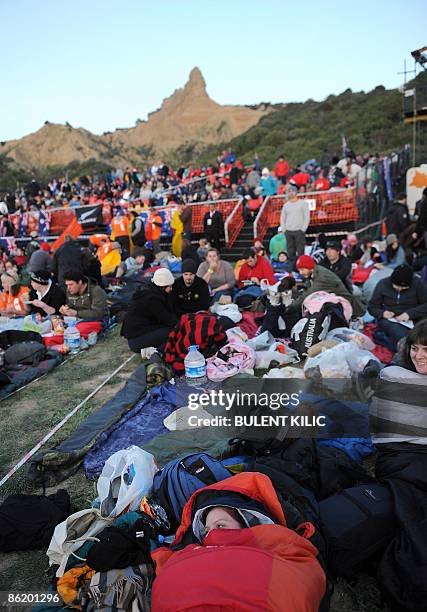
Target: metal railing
(232,230)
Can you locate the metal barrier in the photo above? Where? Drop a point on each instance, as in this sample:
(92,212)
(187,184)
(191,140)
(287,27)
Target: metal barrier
(326,207)
(56,220)
(233,224)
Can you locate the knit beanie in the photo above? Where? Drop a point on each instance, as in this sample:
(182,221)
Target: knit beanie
(305,261)
(163,278)
(390,239)
(402,276)
(41,277)
(188,265)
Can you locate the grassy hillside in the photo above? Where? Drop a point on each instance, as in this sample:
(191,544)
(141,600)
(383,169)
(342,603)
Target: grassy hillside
(370,121)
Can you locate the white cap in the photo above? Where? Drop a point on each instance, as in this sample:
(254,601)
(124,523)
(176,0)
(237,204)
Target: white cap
(163,278)
(265,171)
(280,229)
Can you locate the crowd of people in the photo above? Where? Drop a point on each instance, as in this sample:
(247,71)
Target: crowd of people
(376,282)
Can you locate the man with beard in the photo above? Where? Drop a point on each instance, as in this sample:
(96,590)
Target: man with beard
(190,293)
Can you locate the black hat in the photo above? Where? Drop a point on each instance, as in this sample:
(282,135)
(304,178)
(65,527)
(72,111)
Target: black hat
(333,244)
(402,276)
(41,276)
(188,265)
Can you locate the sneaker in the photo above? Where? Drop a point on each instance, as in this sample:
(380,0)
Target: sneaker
(146,353)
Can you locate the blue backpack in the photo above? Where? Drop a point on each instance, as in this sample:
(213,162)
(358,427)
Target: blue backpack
(175,483)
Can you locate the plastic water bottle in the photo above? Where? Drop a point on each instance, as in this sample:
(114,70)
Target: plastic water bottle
(195,366)
(72,338)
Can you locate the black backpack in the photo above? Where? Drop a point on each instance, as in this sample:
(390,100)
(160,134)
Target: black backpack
(356,523)
(314,327)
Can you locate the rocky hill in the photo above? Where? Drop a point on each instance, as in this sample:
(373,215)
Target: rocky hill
(187,117)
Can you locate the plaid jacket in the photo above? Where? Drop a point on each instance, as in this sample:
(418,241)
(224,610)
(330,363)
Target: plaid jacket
(201,328)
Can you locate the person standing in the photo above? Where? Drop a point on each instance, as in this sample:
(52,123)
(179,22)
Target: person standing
(295,219)
(153,229)
(120,227)
(213,225)
(281,170)
(186,214)
(137,230)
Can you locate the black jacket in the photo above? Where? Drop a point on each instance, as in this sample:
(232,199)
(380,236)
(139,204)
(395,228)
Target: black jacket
(397,219)
(216,228)
(149,310)
(342,268)
(55,298)
(190,299)
(412,300)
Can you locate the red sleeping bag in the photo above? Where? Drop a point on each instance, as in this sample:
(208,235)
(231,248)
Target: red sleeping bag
(265,567)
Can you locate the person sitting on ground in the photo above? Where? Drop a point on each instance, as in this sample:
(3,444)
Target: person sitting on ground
(255,269)
(203,248)
(14,296)
(190,293)
(233,536)
(85,299)
(352,248)
(403,298)
(337,263)
(282,263)
(370,254)
(190,252)
(150,317)
(321,279)
(394,254)
(46,297)
(133,265)
(412,371)
(277,243)
(218,274)
(259,247)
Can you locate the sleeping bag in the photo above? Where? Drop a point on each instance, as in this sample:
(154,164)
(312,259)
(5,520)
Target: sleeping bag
(252,568)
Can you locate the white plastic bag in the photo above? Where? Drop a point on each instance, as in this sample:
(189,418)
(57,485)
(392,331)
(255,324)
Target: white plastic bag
(263,359)
(288,372)
(72,533)
(237,334)
(261,342)
(351,335)
(331,364)
(356,357)
(125,478)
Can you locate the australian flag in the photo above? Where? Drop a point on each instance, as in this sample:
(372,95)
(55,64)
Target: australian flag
(23,224)
(44,223)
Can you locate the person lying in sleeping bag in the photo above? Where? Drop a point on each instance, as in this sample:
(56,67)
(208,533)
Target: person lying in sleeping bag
(233,550)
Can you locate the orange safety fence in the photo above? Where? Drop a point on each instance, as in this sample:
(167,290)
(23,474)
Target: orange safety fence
(233,224)
(57,220)
(334,206)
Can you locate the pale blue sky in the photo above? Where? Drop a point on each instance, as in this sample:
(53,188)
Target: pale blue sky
(101,64)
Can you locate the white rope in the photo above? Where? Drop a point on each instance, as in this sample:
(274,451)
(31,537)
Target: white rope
(57,427)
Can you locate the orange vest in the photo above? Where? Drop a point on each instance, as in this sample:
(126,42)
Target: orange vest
(119,227)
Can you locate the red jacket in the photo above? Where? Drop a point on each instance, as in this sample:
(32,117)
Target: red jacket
(281,168)
(301,178)
(262,269)
(321,184)
(248,570)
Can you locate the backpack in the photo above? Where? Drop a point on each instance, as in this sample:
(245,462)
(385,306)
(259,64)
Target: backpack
(27,522)
(25,353)
(175,483)
(356,524)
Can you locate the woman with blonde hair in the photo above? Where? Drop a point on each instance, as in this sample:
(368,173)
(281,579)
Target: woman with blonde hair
(14,296)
